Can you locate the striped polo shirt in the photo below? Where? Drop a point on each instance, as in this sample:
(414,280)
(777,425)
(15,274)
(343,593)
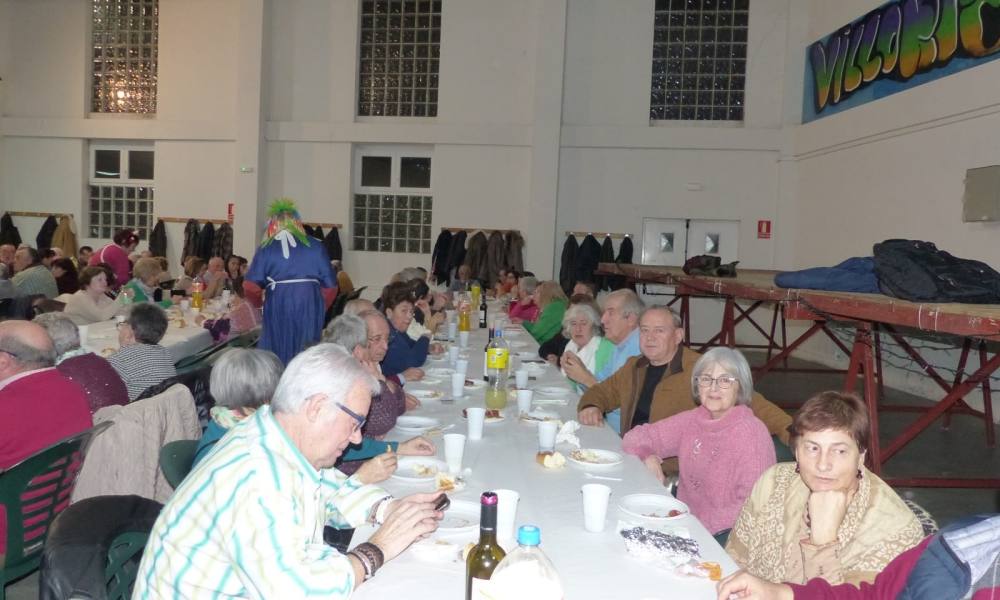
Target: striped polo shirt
(142,366)
(248,523)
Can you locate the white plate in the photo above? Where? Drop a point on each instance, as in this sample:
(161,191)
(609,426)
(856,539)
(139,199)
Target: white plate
(596,458)
(411,469)
(474,384)
(438,372)
(428,381)
(411,423)
(536,416)
(460,517)
(426,394)
(551,390)
(654,507)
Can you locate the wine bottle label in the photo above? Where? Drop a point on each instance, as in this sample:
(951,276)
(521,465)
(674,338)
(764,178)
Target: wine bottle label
(496,358)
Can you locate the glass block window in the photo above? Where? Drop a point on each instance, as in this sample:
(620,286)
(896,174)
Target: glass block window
(699,60)
(121,190)
(124,37)
(400,56)
(393,205)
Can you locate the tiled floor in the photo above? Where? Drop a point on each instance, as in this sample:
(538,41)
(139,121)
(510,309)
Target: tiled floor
(960,450)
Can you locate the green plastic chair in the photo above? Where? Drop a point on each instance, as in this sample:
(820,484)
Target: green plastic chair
(176,459)
(32,493)
(124,556)
(781,451)
(211,354)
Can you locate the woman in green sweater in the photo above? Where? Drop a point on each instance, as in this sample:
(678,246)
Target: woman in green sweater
(551,302)
(145,282)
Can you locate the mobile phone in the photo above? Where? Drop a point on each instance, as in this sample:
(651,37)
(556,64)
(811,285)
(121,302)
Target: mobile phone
(443,502)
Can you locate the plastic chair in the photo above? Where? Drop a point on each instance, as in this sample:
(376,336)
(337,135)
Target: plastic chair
(124,556)
(176,459)
(32,493)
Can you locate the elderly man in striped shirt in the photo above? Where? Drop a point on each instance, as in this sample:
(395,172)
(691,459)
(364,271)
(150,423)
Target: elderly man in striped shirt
(248,521)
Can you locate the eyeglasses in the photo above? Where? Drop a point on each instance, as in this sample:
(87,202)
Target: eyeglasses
(724,381)
(359,421)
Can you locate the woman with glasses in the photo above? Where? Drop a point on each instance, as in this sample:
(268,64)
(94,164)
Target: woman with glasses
(721,446)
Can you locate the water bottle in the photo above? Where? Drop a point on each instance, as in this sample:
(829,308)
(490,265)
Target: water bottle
(526,572)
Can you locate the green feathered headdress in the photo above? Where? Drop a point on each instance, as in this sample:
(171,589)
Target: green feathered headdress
(283,216)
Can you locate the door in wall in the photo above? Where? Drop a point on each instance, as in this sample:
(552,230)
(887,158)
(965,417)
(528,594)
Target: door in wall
(716,237)
(664,241)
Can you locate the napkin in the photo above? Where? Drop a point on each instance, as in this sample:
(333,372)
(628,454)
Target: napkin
(567,434)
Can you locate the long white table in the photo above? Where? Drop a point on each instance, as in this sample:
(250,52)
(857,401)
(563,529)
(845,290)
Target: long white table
(591,565)
(102,337)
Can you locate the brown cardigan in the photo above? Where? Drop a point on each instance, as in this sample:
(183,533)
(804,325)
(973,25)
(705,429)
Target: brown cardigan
(672,395)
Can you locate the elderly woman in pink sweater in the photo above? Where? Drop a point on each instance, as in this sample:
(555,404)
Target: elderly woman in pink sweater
(721,446)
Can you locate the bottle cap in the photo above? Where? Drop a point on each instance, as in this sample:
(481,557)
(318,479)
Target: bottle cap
(489,498)
(529,535)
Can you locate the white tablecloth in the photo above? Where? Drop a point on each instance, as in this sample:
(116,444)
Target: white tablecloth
(591,565)
(181,341)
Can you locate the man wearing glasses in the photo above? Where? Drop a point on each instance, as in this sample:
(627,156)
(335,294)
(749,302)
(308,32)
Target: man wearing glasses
(248,521)
(657,384)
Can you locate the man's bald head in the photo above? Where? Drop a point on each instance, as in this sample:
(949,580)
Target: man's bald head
(24,346)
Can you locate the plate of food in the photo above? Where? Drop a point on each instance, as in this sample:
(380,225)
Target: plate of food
(493,415)
(592,457)
(415,424)
(474,384)
(419,469)
(537,416)
(655,507)
(426,394)
(443,372)
(551,390)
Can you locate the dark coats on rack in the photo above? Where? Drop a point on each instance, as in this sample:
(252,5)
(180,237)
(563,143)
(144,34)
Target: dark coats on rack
(190,240)
(567,266)
(617,282)
(439,257)
(587,257)
(222,244)
(158,239)
(514,251)
(607,256)
(8,232)
(205,240)
(309,230)
(496,259)
(332,243)
(44,238)
(319,235)
(475,255)
(456,254)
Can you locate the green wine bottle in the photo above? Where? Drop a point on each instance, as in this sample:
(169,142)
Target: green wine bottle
(487,554)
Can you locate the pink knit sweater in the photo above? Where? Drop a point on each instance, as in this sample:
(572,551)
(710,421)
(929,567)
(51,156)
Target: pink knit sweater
(720,460)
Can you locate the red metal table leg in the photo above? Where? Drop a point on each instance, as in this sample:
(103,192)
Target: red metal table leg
(878,363)
(987,400)
(759,372)
(863,361)
(959,371)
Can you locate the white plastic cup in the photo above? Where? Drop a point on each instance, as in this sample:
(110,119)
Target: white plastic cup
(185,305)
(547,431)
(524,398)
(463,339)
(453,354)
(462,366)
(521,378)
(595,506)
(454,449)
(457,385)
(452,330)
(83,334)
(475,415)
(507,501)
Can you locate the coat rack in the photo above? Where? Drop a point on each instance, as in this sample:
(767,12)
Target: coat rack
(43,215)
(323,225)
(186,219)
(471,229)
(600,234)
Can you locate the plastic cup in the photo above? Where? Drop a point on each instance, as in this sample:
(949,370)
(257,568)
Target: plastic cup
(451,313)
(453,354)
(521,378)
(524,398)
(452,330)
(463,339)
(185,305)
(595,506)
(454,449)
(462,366)
(458,385)
(547,431)
(83,333)
(475,415)
(507,501)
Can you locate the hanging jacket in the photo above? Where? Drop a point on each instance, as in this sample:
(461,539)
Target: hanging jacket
(319,233)
(514,252)
(495,259)
(475,256)
(158,239)
(64,236)
(439,256)
(607,256)
(587,257)
(332,244)
(222,243)
(205,240)
(456,254)
(190,240)
(8,232)
(44,238)
(309,230)
(567,265)
(617,282)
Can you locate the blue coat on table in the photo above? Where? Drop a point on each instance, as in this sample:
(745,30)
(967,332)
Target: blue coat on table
(404,352)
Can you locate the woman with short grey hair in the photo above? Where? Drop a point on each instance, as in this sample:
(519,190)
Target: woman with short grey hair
(64,333)
(722,447)
(581,325)
(524,309)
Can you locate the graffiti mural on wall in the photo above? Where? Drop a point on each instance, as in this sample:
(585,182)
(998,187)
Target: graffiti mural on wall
(900,45)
